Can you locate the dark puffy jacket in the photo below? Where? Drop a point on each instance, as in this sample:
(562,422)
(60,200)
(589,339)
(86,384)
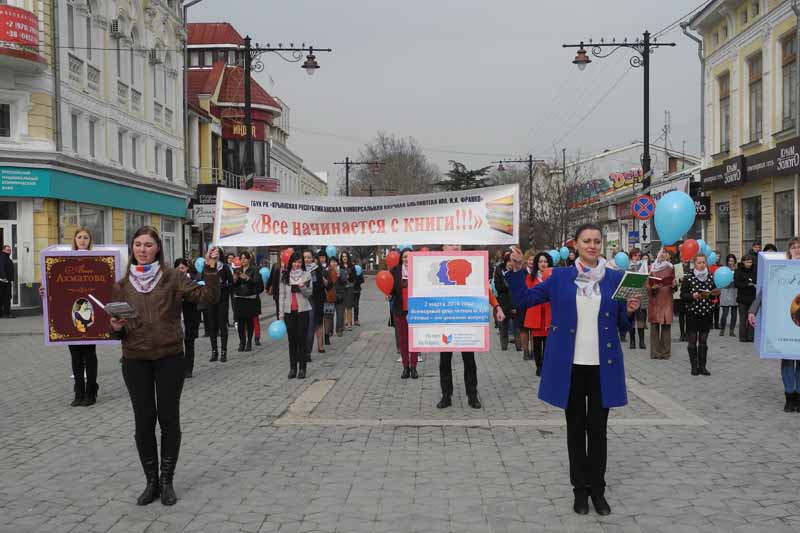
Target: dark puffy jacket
(744,279)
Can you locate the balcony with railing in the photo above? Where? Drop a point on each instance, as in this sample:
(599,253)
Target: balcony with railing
(158,112)
(168,115)
(217,176)
(122,94)
(76,69)
(136,101)
(93,79)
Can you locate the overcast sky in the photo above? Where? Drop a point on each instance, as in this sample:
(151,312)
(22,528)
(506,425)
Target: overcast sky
(484,77)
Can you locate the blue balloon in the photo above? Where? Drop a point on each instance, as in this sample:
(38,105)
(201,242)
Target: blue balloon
(674,216)
(723,277)
(622,261)
(264,271)
(405,247)
(330,251)
(277,329)
(564,253)
(701,244)
(199,264)
(707,251)
(358,270)
(712,258)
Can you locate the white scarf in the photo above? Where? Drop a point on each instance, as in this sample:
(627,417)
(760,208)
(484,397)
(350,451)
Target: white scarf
(295,276)
(588,279)
(661,265)
(405,272)
(144,278)
(702,275)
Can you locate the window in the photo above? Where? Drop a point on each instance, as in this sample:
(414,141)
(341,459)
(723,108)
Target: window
(756,99)
(168,238)
(71,26)
(153,73)
(74,124)
(756,8)
(724,32)
(716,38)
(194,59)
(92,124)
(724,113)
(74,215)
(789,47)
(168,163)
(723,216)
(207,60)
(89,30)
(133,151)
(5,120)
(133,221)
(751,221)
(157,150)
(784,218)
(744,17)
(231,57)
(133,63)
(121,147)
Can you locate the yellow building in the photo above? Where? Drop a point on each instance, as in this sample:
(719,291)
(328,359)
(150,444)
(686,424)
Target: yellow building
(751,146)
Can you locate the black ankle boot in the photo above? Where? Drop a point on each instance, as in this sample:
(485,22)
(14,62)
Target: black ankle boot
(413,373)
(445,402)
(214,355)
(633,340)
(293,372)
(581,504)
(241,347)
(151,491)
(91,394)
(258,341)
(80,394)
(641,339)
(474,402)
(301,374)
(702,359)
(797,402)
(693,360)
(406,372)
(788,407)
(223,358)
(249,346)
(600,504)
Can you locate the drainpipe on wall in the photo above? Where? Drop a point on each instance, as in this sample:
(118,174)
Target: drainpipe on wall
(685,28)
(796,9)
(56,75)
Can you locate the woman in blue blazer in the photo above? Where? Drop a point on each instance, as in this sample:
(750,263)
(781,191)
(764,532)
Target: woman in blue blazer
(583,357)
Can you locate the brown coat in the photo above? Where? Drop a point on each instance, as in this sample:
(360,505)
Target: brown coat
(659,310)
(156,332)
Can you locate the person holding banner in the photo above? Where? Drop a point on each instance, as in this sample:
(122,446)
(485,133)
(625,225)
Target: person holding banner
(697,291)
(215,315)
(152,352)
(247,288)
(294,309)
(399,314)
(584,358)
(191,317)
(790,368)
(83,356)
(537,318)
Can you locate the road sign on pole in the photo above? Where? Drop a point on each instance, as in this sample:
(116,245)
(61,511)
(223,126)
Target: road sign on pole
(643,207)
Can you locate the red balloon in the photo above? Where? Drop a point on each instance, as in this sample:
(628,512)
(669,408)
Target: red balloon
(689,249)
(713,268)
(385,282)
(392,259)
(285,256)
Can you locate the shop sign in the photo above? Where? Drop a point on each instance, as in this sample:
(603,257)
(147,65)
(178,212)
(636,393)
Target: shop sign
(18,26)
(681,185)
(731,173)
(633,237)
(265,184)
(621,180)
(237,130)
(702,207)
(783,160)
(205,203)
(23,182)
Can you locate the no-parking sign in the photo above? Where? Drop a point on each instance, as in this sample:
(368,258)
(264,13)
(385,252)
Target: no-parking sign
(643,207)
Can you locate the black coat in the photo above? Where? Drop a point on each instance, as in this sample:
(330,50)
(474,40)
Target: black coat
(6,267)
(225,277)
(744,279)
(247,295)
(503,293)
(191,316)
(397,290)
(318,284)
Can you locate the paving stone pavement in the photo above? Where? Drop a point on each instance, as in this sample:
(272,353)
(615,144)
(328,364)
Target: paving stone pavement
(370,452)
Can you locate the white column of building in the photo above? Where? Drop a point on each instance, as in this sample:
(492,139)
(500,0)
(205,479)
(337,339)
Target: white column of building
(194,146)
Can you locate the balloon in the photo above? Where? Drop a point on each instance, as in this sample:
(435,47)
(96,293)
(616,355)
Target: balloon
(199,264)
(277,329)
(564,253)
(358,270)
(701,243)
(622,261)
(555,255)
(285,256)
(405,247)
(330,251)
(392,259)
(723,277)
(264,271)
(713,269)
(689,249)
(385,282)
(674,216)
(424,249)
(712,258)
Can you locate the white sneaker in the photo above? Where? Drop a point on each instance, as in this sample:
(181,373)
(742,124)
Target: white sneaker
(399,359)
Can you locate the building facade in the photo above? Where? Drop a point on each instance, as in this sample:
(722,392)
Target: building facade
(311,183)
(90,126)
(752,150)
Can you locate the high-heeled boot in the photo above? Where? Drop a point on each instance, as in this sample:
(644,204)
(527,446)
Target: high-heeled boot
(702,359)
(214,352)
(169,459)
(633,340)
(152,490)
(641,339)
(693,359)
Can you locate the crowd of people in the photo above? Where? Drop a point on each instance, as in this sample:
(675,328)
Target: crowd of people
(564,320)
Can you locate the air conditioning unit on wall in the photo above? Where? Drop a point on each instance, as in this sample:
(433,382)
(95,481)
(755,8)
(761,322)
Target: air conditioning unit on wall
(116,29)
(155,59)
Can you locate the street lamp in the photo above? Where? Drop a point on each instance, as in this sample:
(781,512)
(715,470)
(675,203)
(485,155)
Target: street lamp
(252,62)
(644,47)
(530,160)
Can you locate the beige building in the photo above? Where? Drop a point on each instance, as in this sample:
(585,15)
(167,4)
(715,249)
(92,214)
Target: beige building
(751,147)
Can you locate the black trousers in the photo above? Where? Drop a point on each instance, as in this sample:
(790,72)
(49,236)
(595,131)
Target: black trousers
(155,390)
(216,321)
(245,328)
(746,331)
(586,417)
(470,373)
(5,299)
(84,358)
(356,302)
(680,310)
(297,331)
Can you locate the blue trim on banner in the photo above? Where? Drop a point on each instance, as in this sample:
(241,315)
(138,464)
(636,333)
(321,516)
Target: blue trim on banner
(448,310)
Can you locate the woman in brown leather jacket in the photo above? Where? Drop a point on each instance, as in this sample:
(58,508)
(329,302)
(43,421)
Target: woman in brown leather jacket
(152,352)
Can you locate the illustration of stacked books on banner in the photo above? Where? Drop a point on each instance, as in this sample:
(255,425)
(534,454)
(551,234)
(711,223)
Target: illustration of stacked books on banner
(234,219)
(501,214)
